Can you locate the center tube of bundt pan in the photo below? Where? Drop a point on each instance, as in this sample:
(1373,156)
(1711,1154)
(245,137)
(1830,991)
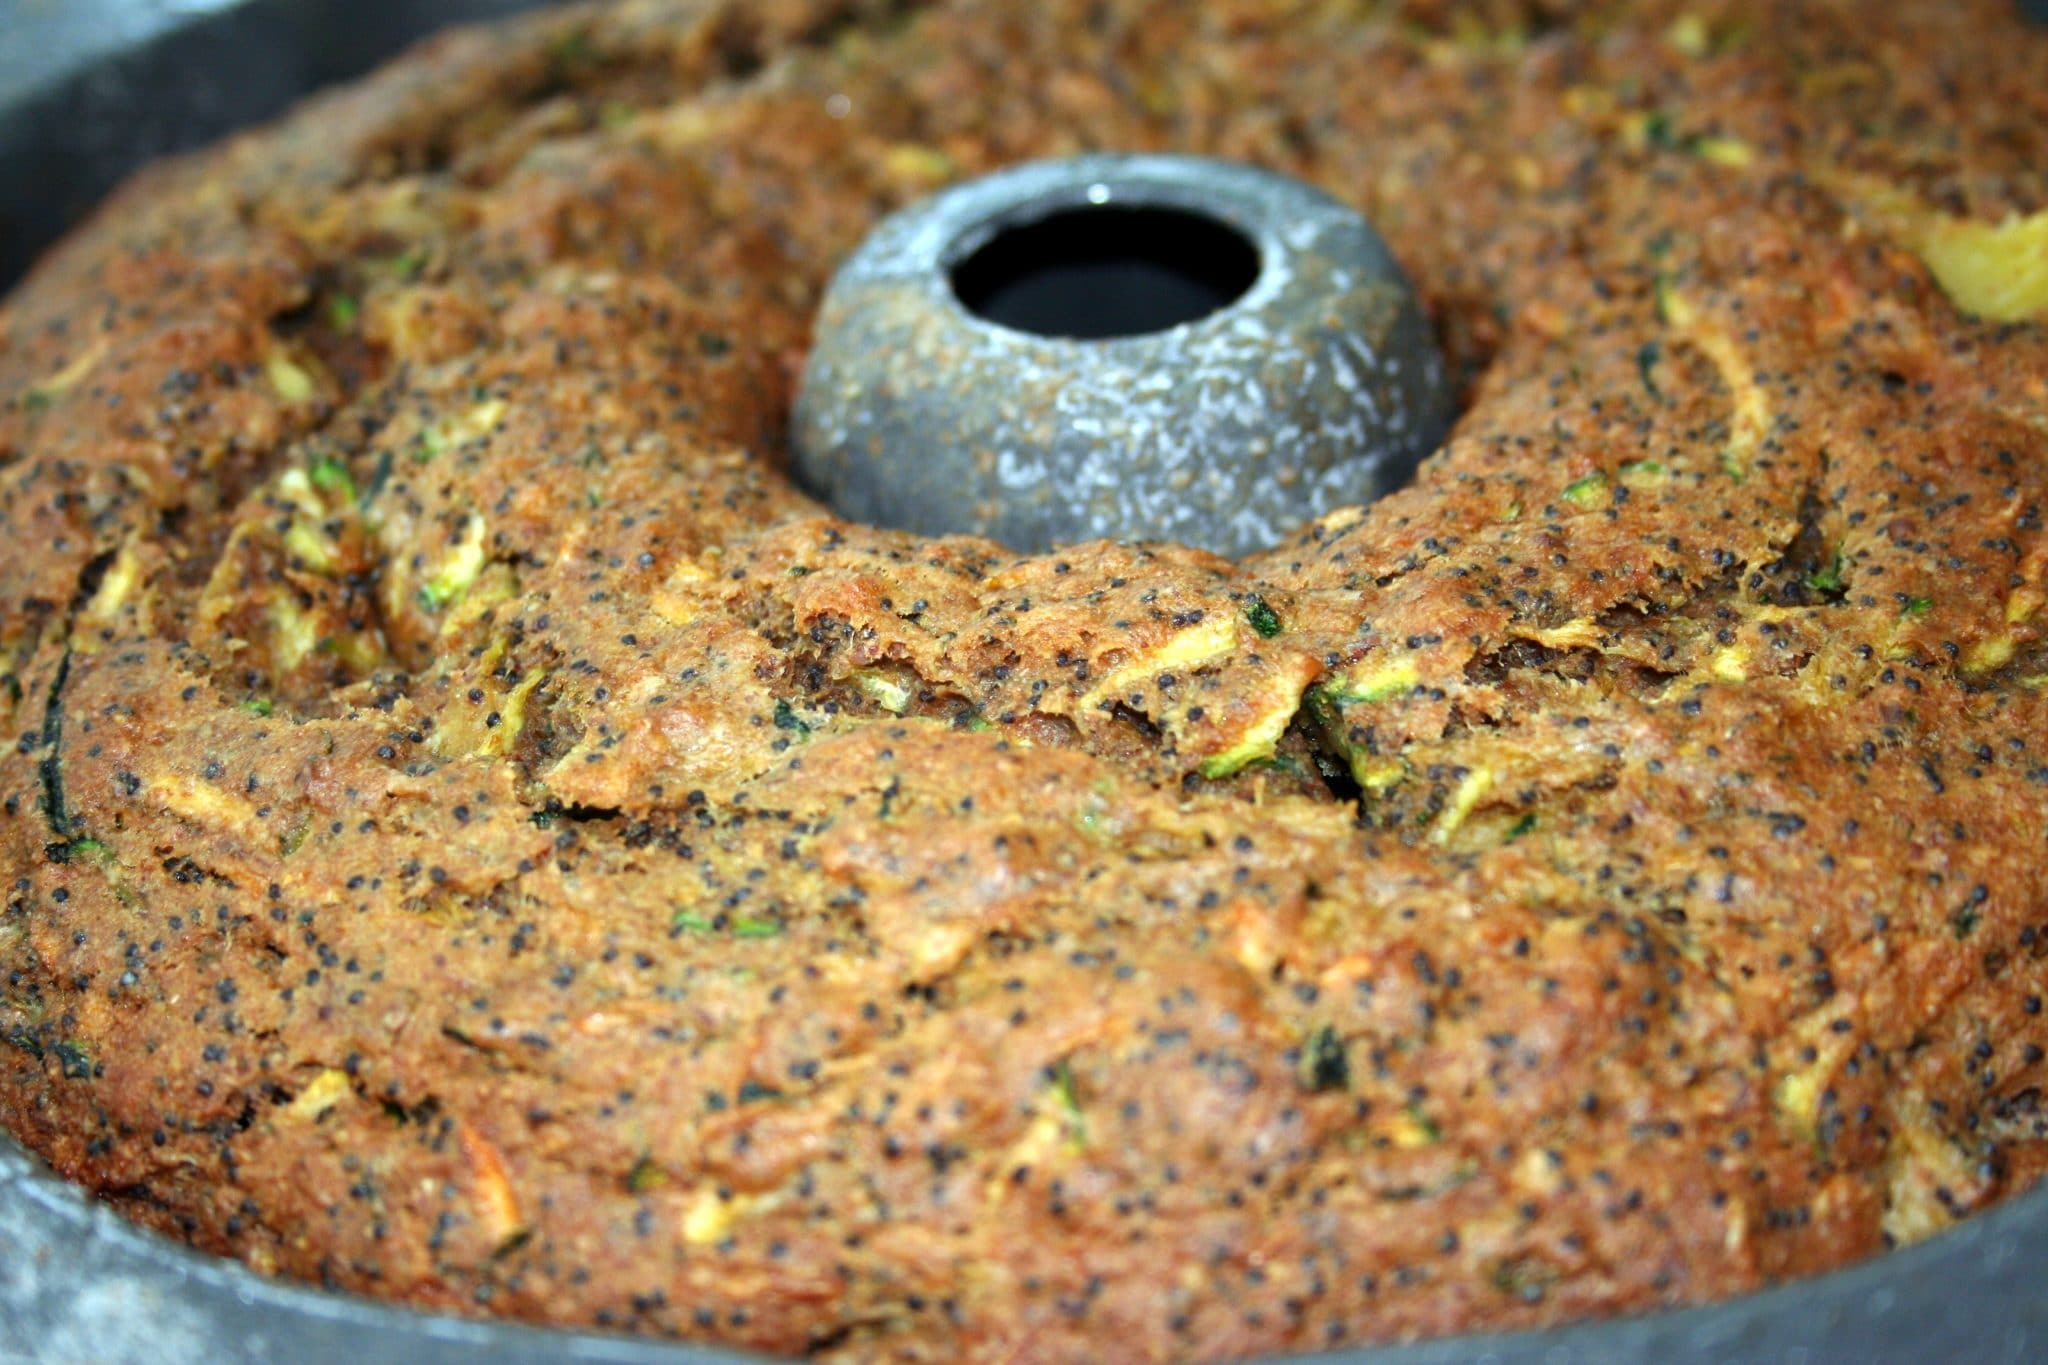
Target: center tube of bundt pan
(1123,347)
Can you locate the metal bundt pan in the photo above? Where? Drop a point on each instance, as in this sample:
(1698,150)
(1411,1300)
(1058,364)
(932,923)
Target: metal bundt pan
(91,89)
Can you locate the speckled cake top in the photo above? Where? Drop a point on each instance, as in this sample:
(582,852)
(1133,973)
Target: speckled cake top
(474,834)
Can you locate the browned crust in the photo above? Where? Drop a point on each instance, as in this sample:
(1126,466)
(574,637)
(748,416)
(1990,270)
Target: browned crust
(478,836)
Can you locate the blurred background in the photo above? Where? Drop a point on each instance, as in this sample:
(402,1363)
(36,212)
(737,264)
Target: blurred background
(90,89)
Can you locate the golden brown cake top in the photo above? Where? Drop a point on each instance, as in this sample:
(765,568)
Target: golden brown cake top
(478,835)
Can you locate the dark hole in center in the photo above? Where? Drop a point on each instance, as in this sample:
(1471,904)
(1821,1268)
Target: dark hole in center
(1112,271)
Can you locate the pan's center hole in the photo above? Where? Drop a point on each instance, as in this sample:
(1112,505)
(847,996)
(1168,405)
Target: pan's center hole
(1107,271)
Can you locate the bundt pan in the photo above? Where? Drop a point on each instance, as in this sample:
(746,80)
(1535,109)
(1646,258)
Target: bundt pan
(92,89)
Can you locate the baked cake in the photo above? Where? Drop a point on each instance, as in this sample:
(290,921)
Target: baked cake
(477,835)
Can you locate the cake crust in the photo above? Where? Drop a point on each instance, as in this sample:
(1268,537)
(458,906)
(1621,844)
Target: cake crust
(477,835)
